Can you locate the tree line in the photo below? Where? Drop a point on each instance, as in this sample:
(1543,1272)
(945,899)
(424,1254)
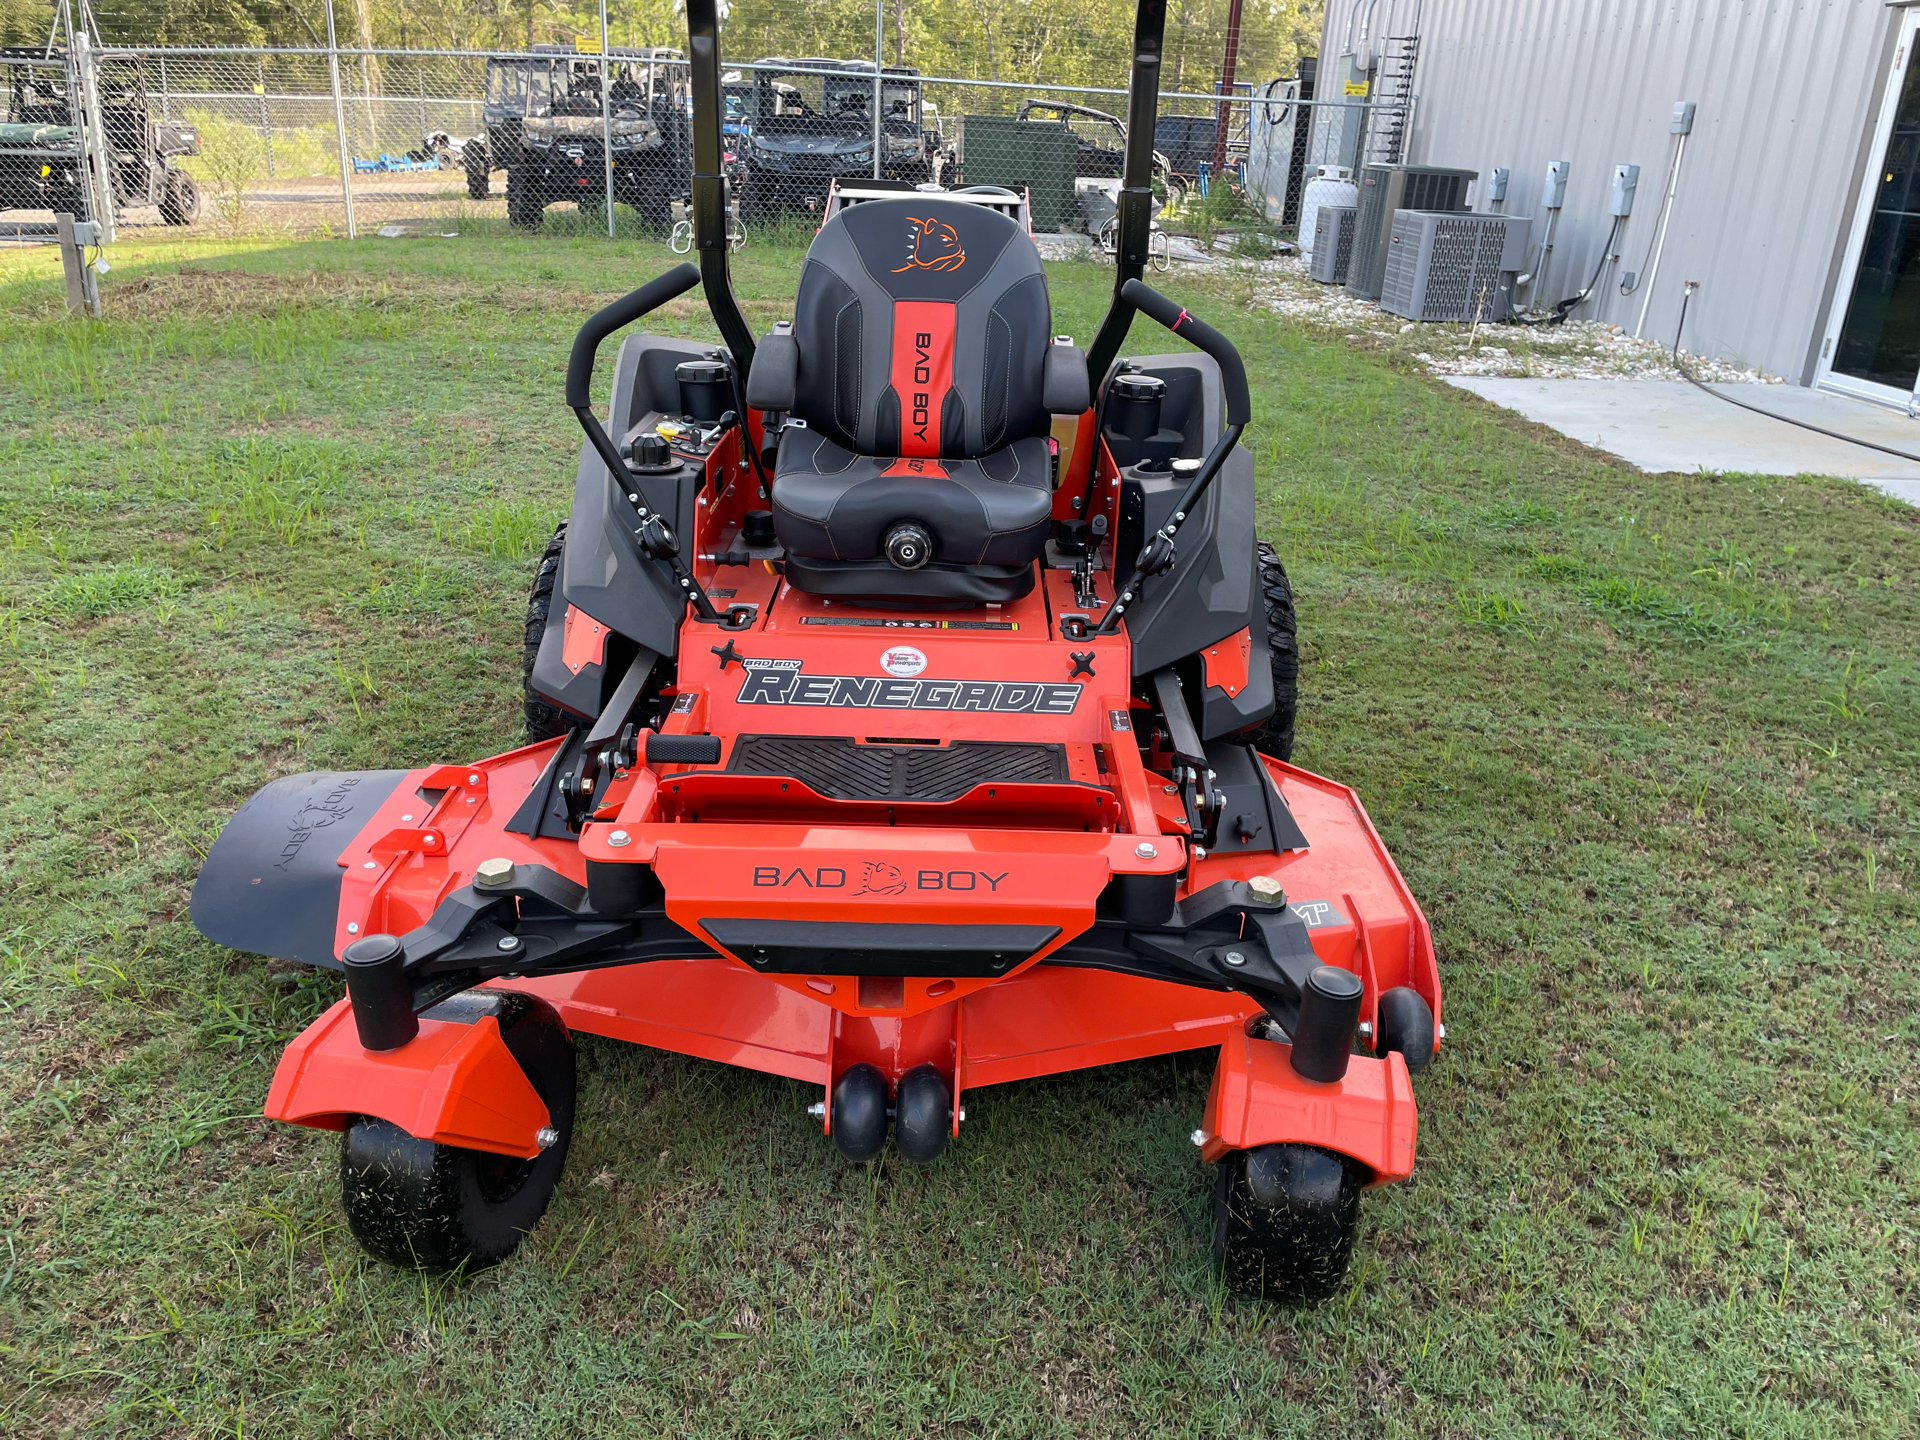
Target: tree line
(1063,42)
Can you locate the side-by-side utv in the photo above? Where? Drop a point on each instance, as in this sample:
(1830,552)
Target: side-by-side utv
(909,707)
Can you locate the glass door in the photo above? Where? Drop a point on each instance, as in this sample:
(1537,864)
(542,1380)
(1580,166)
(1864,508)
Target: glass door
(1872,345)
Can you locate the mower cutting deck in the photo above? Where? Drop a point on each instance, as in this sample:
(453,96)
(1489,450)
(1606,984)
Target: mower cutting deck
(909,706)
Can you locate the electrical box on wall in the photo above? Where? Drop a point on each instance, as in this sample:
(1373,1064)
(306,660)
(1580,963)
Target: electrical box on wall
(1682,122)
(1626,179)
(1496,186)
(1553,194)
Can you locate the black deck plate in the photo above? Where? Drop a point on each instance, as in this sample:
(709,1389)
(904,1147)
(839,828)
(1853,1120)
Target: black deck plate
(840,769)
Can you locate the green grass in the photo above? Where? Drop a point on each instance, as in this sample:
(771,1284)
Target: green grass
(1645,747)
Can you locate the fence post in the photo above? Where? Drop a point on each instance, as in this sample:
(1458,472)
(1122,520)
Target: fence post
(340,123)
(606,117)
(879,44)
(95,136)
(266,119)
(164,115)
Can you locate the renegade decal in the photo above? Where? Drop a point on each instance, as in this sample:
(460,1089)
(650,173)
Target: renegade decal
(780,682)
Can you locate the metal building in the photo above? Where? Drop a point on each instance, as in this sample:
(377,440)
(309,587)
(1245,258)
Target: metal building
(1797,204)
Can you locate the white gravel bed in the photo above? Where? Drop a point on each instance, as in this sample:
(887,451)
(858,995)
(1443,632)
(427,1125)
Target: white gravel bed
(1577,350)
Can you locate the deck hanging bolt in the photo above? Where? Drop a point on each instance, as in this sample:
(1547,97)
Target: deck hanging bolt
(497,871)
(546,1137)
(1265,886)
(1145,851)
(1234,957)
(1199,1137)
(509,942)
(618,838)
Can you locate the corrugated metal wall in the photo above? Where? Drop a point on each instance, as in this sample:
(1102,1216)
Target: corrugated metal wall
(1787,93)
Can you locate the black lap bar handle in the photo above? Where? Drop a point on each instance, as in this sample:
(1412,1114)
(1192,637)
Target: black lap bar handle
(621,313)
(1201,336)
(656,539)
(1157,555)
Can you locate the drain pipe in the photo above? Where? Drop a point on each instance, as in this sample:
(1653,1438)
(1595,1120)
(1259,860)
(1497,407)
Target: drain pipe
(1681,125)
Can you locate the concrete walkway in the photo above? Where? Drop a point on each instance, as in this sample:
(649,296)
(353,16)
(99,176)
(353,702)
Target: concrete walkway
(1668,425)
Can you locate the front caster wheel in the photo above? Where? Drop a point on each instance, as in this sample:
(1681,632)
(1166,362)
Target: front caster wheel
(922,1114)
(1284,1221)
(859,1118)
(424,1206)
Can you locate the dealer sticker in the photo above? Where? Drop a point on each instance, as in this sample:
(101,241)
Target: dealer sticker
(903,660)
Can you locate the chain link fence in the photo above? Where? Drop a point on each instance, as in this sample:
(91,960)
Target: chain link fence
(353,142)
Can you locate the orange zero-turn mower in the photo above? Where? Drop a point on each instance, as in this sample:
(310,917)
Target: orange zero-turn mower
(909,706)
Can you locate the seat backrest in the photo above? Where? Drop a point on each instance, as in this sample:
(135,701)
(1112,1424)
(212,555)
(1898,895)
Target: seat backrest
(922,325)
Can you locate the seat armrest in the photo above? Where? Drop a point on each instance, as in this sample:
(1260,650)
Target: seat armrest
(775,378)
(1063,385)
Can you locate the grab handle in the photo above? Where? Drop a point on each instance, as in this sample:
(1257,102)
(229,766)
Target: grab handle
(622,312)
(1202,336)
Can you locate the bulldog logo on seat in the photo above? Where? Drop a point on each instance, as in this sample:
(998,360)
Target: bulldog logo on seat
(932,245)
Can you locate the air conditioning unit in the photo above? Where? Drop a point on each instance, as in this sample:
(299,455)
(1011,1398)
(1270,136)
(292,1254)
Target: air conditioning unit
(1453,267)
(1385,190)
(1332,243)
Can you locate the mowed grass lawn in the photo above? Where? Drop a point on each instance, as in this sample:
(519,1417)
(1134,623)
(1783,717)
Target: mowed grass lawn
(1645,746)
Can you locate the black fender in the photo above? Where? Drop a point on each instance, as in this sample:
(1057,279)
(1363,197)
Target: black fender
(271,883)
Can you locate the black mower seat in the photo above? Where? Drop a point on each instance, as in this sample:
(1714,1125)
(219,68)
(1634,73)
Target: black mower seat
(921,362)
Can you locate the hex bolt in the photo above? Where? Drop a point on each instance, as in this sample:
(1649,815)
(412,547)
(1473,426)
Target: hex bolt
(1199,1137)
(618,838)
(963,1114)
(1440,1032)
(818,1109)
(546,1137)
(1365,1029)
(497,871)
(1199,852)
(1264,887)
(1234,957)
(370,865)
(353,927)
(1145,851)
(509,942)
(473,778)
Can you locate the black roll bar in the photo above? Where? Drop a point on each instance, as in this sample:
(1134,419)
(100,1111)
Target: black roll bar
(1136,187)
(710,185)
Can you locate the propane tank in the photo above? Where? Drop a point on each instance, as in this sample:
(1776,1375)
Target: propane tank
(1331,185)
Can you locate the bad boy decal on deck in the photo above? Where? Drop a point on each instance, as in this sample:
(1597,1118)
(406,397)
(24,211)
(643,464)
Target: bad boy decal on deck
(781,682)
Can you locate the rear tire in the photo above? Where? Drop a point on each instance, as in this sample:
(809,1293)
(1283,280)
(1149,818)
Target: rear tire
(1275,736)
(1285,1218)
(424,1206)
(544,721)
(479,171)
(180,200)
(525,206)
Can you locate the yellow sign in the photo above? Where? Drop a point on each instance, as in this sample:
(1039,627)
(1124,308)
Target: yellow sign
(1357,87)
(586,44)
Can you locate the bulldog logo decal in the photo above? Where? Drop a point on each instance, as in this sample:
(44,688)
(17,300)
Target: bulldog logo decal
(932,245)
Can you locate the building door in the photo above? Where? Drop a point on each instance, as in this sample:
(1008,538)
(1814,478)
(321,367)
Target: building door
(1872,345)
